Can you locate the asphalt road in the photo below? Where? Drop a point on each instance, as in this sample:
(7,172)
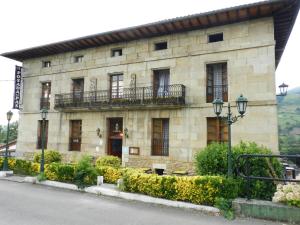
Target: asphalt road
(27,204)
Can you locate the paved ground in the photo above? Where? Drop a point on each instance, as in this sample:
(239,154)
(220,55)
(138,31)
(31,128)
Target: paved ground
(27,204)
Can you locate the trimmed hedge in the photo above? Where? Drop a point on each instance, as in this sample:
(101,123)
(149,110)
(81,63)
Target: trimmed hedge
(109,160)
(50,156)
(110,174)
(195,189)
(60,172)
(21,167)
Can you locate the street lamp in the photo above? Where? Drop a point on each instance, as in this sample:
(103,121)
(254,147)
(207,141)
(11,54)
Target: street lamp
(283,89)
(44,113)
(9,115)
(241,104)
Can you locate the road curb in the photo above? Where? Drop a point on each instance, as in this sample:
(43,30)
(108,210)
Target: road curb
(100,190)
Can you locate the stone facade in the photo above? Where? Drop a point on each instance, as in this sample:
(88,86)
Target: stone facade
(248,48)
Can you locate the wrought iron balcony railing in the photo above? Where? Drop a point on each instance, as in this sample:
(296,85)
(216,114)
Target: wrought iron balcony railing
(170,95)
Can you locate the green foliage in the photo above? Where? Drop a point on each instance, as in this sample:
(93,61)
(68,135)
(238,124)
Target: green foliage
(50,156)
(41,177)
(85,173)
(22,167)
(109,160)
(60,172)
(13,132)
(196,189)
(289,121)
(225,206)
(110,174)
(213,161)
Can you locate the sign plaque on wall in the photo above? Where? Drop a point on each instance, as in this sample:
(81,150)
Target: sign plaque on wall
(134,150)
(18,84)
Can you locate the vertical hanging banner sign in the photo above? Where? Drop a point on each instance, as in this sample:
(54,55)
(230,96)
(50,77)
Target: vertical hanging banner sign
(18,82)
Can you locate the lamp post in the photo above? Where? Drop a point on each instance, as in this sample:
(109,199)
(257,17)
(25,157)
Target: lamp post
(241,104)
(44,113)
(283,89)
(9,115)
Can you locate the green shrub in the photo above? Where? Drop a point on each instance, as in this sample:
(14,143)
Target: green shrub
(213,161)
(11,163)
(225,206)
(109,160)
(110,174)
(41,177)
(22,167)
(51,171)
(50,156)
(195,189)
(60,172)
(85,172)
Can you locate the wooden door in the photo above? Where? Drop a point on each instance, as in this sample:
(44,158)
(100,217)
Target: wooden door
(115,127)
(75,135)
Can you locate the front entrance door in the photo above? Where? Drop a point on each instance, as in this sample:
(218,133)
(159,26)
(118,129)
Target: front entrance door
(115,128)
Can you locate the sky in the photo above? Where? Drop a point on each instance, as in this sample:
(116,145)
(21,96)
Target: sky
(31,23)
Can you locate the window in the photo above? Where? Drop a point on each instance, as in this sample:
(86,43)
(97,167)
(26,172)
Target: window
(46,94)
(116,86)
(216,82)
(215,37)
(161,80)
(78,89)
(160,137)
(78,59)
(75,135)
(160,46)
(46,64)
(217,130)
(39,134)
(116,52)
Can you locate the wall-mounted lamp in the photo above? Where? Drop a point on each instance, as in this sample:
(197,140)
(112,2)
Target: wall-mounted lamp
(99,134)
(126,132)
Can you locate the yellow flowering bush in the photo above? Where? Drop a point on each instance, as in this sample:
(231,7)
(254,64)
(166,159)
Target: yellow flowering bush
(35,168)
(110,174)
(195,189)
(288,194)
(11,163)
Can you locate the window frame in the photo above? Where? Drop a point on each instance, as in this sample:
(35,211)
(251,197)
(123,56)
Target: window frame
(39,134)
(157,46)
(210,86)
(165,145)
(211,37)
(46,64)
(119,94)
(78,59)
(115,50)
(221,130)
(71,124)
(45,101)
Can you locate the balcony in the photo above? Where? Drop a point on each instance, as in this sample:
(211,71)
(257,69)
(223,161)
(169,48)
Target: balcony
(170,96)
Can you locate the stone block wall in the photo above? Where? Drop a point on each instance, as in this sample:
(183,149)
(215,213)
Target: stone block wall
(248,48)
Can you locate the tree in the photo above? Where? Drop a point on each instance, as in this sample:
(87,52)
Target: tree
(13,132)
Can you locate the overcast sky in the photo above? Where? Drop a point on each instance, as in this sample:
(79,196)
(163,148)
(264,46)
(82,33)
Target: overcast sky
(30,23)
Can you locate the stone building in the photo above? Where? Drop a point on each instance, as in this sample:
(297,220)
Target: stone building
(145,93)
